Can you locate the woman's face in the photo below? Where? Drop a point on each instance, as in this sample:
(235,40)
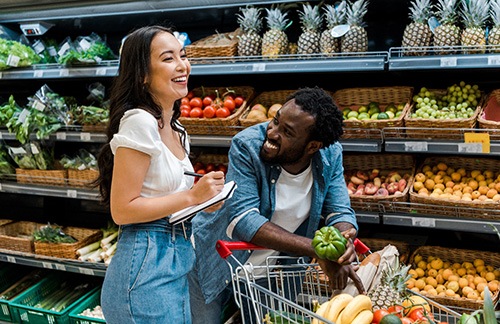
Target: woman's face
(169,69)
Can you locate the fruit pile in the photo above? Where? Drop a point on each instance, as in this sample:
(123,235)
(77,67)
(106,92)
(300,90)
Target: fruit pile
(434,276)
(213,105)
(459,101)
(375,182)
(204,168)
(373,111)
(413,309)
(344,308)
(441,181)
(259,113)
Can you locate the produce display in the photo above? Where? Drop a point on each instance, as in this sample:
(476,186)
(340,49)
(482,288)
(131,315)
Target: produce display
(21,285)
(211,105)
(52,234)
(376,182)
(373,111)
(250,41)
(15,54)
(259,113)
(102,250)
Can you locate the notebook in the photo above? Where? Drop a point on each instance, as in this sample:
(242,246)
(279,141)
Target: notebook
(186,213)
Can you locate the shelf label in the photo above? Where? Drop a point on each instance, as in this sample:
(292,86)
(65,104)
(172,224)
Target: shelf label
(38,74)
(259,67)
(423,222)
(416,146)
(101,71)
(47,265)
(448,61)
(1,135)
(470,147)
(494,60)
(86,271)
(60,267)
(1,75)
(11,259)
(61,135)
(64,72)
(0,187)
(481,139)
(71,193)
(85,137)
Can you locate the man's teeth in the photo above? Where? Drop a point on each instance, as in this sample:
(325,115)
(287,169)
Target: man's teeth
(181,79)
(271,146)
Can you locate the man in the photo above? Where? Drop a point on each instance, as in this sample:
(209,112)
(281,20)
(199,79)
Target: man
(289,174)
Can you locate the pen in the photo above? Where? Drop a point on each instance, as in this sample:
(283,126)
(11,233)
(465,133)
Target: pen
(194,174)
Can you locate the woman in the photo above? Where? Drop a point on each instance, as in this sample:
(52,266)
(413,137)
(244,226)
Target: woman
(142,178)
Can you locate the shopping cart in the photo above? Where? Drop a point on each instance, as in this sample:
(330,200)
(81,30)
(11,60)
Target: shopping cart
(287,289)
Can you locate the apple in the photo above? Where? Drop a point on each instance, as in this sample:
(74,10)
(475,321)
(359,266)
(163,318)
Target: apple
(271,112)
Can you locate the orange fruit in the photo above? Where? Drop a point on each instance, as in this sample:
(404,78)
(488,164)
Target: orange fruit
(473,184)
(483,190)
(491,193)
(442,166)
(429,184)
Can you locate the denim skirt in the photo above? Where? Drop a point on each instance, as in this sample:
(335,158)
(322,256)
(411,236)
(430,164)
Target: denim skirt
(146,281)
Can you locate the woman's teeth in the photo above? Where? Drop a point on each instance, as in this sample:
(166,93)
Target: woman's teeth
(182,79)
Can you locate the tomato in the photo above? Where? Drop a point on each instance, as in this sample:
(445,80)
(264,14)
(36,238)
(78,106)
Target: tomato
(196,102)
(199,171)
(396,309)
(229,97)
(190,95)
(209,112)
(222,167)
(184,101)
(188,107)
(210,167)
(419,315)
(222,112)
(196,112)
(185,112)
(229,104)
(378,314)
(238,101)
(197,166)
(406,320)
(207,101)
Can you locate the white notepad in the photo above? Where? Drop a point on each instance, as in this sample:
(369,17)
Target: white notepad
(186,213)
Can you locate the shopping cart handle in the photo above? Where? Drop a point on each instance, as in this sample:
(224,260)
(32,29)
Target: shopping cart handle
(360,247)
(225,247)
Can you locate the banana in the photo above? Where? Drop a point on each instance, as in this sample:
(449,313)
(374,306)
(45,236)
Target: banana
(358,304)
(322,310)
(338,303)
(338,321)
(365,317)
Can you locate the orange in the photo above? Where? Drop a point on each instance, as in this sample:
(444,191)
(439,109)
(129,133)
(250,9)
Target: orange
(491,193)
(475,194)
(455,176)
(473,184)
(442,166)
(483,190)
(429,184)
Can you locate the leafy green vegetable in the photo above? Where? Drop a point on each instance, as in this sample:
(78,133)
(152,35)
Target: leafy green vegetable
(25,54)
(52,234)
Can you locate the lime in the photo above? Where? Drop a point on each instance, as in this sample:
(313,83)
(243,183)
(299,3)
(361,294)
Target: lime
(374,116)
(352,114)
(390,319)
(383,115)
(363,115)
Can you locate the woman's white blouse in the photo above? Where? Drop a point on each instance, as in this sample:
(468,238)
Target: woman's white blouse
(139,131)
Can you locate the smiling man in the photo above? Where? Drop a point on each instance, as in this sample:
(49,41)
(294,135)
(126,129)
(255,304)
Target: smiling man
(290,176)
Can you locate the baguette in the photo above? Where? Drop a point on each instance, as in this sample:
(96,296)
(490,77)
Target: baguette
(373,258)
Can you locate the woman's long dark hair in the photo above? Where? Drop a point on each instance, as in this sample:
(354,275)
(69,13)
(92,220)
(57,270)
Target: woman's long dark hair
(128,91)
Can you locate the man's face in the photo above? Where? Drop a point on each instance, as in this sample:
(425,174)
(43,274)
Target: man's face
(288,138)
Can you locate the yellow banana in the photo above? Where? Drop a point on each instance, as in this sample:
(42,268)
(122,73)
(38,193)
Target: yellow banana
(365,317)
(338,303)
(339,321)
(322,310)
(356,306)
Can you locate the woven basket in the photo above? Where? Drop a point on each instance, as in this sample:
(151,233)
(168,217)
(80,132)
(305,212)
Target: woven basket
(376,244)
(5,221)
(18,236)
(101,128)
(218,126)
(84,236)
(267,99)
(434,127)
(402,163)
(45,177)
(216,45)
(484,209)
(491,110)
(212,158)
(458,256)
(81,178)
(356,97)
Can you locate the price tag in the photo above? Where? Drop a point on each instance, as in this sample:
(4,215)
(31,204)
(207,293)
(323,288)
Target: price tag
(85,44)
(38,74)
(13,60)
(47,265)
(85,137)
(60,267)
(470,147)
(259,67)
(1,75)
(101,71)
(0,187)
(11,259)
(61,136)
(86,271)
(64,72)
(416,146)
(494,60)
(480,138)
(38,105)
(71,193)
(448,61)
(423,222)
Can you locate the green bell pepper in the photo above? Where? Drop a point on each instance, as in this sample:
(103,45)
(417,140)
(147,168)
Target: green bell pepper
(329,243)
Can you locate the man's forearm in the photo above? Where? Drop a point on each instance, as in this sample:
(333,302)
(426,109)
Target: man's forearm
(343,226)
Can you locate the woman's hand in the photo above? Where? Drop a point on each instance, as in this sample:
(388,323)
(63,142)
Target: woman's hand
(208,186)
(214,207)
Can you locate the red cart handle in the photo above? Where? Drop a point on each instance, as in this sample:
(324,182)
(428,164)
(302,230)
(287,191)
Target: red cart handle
(360,247)
(225,247)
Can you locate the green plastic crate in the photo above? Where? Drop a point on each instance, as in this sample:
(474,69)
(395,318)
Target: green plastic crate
(25,303)
(9,275)
(90,302)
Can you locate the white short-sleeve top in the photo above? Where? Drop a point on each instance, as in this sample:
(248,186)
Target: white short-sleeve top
(139,131)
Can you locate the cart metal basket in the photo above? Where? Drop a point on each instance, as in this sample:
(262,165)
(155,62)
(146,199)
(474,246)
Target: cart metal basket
(286,289)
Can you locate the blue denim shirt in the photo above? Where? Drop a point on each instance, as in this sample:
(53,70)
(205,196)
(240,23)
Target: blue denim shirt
(255,200)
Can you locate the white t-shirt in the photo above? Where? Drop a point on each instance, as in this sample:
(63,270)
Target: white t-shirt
(293,204)
(139,131)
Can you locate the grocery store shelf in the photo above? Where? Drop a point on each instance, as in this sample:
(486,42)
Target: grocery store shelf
(431,59)
(57,71)
(368,217)
(69,136)
(46,262)
(52,191)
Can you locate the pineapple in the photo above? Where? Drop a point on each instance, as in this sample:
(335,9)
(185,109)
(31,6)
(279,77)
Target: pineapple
(475,14)
(391,289)
(310,19)
(275,40)
(356,39)
(250,42)
(494,36)
(448,33)
(418,33)
(334,16)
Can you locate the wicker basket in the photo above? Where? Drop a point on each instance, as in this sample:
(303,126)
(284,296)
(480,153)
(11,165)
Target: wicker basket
(489,117)
(18,236)
(81,178)
(458,256)
(266,99)
(488,209)
(45,177)
(434,127)
(84,236)
(216,45)
(356,97)
(402,163)
(376,244)
(218,126)
(5,221)
(100,128)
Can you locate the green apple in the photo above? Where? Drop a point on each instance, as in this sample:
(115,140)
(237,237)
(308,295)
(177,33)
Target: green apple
(352,114)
